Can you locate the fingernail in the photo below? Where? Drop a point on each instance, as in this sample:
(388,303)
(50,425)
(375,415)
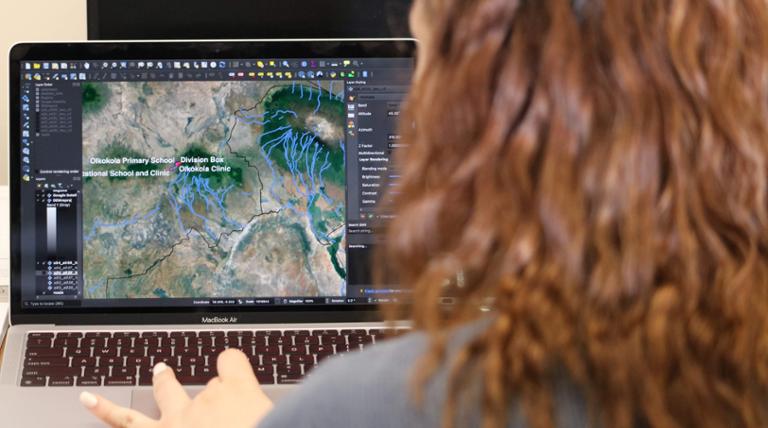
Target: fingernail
(159,368)
(88,400)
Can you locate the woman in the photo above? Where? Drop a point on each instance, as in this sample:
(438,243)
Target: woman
(594,173)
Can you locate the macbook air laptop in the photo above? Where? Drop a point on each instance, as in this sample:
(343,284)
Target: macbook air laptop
(170,200)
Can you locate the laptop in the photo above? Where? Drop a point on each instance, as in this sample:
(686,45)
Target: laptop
(170,200)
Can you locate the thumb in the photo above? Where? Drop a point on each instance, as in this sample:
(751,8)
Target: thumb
(234,367)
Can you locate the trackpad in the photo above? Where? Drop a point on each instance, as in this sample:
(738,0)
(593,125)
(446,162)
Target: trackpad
(143,400)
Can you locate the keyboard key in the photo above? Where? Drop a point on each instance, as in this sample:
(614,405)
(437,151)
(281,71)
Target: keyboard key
(159,352)
(44,352)
(102,334)
(288,369)
(40,336)
(90,342)
(78,352)
(288,378)
(295,359)
(325,333)
(240,333)
(205,371)
(291,350)
(51,371)
(123,371)
(46,362)
(61,381)
(152,342)
(201,341)
(171,361)
(267,350)
(279,340)
(274,359)
(263,370)
(96,371)
(133,352)
(39,342)
(253,341)
(211,352)
(191,361)
(123,342)
(183,371)
(347,332)
(321,349)
(154,334)
(83,361)
(105,352)
(245,349)
(65,341)
(225,341)
(138,361)
(33,381)
(120,381)
(174,342)
(187,352)
(89,381)
(110,361)
(210,334)
(306,340)
(358,339)
(334,340)
(193,380)
(70,334)
(121,334)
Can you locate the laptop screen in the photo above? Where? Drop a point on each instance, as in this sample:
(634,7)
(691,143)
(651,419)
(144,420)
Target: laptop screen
(204,182)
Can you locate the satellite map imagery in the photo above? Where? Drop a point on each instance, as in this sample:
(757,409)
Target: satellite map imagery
(213,189)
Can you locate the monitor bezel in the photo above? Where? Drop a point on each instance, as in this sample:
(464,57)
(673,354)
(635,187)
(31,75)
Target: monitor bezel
(137,50)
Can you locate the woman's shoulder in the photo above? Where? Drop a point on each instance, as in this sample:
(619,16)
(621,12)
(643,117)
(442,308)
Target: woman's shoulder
(374,388)
(367,388)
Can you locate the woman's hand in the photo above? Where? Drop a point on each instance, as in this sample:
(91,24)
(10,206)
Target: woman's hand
(233,399)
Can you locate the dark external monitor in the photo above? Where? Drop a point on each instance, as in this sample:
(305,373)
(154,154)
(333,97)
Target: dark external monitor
(246,19)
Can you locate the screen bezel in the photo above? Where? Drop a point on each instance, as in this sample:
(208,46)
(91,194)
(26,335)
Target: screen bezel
(326,48)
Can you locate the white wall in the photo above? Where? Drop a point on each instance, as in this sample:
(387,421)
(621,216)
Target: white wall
(32,20)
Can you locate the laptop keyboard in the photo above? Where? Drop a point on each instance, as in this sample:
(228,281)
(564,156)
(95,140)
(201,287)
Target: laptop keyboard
(126,358)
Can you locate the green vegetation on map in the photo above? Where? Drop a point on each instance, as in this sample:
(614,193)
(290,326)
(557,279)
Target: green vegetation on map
(95,96)
(331,110)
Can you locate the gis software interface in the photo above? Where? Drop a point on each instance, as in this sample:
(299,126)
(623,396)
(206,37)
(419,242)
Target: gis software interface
(205,182)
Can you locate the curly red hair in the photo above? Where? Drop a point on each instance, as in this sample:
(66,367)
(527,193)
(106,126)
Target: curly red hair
(595,171)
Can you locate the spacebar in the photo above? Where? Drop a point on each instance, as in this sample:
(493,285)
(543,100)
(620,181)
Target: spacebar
(193,380)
